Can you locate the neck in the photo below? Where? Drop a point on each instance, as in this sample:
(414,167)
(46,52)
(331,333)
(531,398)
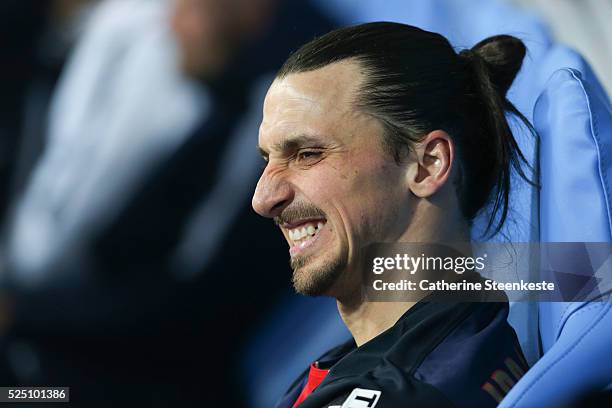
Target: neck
(366,320)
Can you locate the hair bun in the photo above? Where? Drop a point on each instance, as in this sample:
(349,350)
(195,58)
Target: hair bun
(503,55)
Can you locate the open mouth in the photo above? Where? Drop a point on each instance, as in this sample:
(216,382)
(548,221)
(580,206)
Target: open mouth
(304,234)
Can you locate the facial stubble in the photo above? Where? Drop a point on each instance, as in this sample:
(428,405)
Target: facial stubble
(314,281)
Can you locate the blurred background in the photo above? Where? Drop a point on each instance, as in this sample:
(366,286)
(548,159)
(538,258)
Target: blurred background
(132,268)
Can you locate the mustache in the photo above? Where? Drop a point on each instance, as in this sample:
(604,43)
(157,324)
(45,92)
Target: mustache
(298,212)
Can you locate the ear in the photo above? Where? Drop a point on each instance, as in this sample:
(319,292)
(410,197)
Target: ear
(432,165)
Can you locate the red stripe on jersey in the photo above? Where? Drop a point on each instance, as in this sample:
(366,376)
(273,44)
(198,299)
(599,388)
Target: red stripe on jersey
(315,376)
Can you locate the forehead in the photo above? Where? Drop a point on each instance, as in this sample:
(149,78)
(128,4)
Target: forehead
(317,101)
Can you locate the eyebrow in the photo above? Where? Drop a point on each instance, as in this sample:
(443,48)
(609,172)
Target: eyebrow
(291,143)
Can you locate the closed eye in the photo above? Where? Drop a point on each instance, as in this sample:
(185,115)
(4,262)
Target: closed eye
(309,156)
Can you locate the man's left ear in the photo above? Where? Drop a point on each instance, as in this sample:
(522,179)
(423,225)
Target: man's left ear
(433,164)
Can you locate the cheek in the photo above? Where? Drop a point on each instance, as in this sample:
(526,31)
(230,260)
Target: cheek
(325,182)
(381,198)
(362,196)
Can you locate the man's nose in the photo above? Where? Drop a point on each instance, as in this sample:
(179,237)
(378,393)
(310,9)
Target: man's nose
(272,195)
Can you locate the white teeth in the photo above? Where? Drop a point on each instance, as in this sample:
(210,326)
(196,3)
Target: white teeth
(309,230)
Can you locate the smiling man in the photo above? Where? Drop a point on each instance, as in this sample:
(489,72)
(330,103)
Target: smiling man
(382,133)
(335,189)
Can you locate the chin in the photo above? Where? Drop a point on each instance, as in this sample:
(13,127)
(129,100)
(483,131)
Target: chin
(312,278)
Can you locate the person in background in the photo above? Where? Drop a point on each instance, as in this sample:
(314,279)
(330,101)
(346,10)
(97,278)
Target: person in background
(130,251)
(36,37)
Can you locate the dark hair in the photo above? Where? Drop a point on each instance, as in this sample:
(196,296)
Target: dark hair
(415,83)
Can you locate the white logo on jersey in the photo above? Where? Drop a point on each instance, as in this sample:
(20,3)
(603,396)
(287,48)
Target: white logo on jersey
(362,398)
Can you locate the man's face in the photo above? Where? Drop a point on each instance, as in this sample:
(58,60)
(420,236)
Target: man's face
(328,183)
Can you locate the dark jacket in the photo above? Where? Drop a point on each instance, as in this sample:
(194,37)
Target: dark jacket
(436,355)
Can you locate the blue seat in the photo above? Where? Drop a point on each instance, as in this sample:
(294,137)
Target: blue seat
(574,120)
(524,222)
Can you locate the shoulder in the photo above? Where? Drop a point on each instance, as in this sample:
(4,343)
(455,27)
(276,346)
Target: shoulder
(467,363)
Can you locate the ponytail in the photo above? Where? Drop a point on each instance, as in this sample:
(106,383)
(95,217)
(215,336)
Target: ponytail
(494,63)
